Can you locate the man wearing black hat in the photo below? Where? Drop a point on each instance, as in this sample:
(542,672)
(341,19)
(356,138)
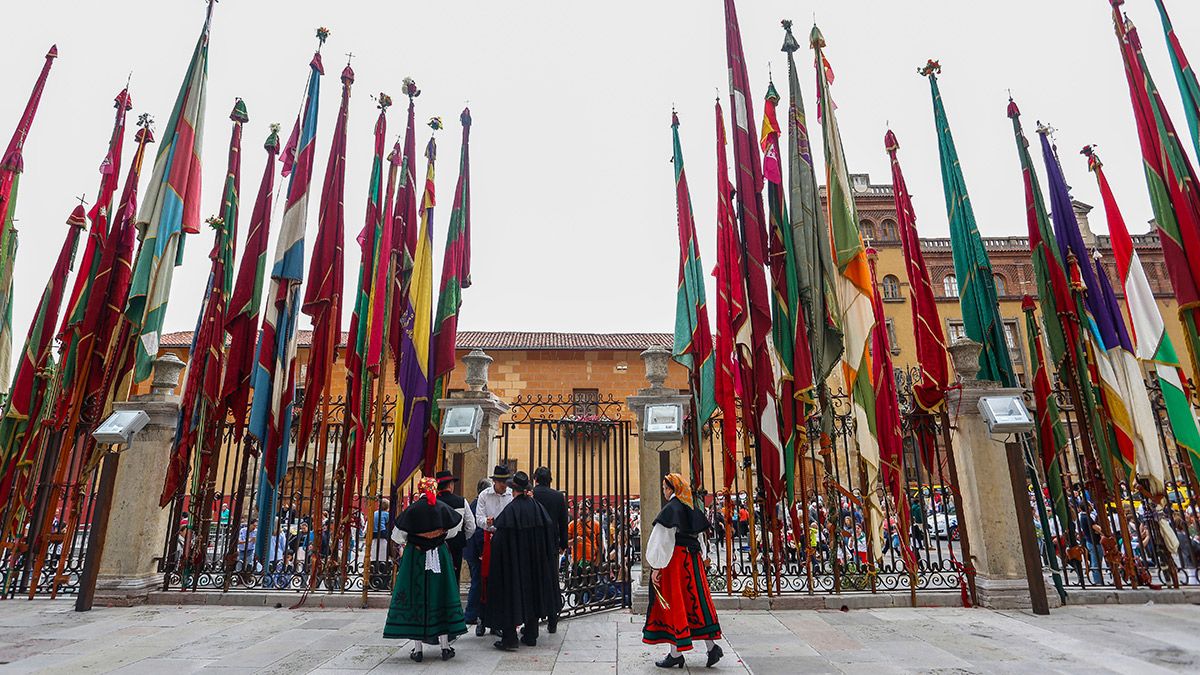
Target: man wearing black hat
(556,507)
(457,537)
(523,584)
(490,504)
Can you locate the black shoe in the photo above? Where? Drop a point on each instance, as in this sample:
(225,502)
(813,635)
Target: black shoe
(447,653)
(670,662)
(499,644)
(529,642)
(416,655)
(714,655)
(552,628)
(480,630)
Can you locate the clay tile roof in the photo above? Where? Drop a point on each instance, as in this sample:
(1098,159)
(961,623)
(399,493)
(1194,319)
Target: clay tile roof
(508,340)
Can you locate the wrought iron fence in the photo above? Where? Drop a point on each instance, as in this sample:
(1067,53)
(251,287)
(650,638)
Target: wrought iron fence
(819,541)
(1119,535)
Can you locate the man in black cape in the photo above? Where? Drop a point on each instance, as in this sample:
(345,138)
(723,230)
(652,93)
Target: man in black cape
(556,507)
(523,583)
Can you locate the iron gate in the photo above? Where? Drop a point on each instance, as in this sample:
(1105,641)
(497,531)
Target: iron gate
(585,442)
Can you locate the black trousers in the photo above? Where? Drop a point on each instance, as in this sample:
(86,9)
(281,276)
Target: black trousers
(456,557)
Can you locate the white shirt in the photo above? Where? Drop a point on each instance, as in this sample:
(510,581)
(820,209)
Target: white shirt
(467,526)
(489,505)
(661,546)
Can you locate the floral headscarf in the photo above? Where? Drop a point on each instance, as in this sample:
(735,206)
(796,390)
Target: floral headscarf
(428,487)
(683,491)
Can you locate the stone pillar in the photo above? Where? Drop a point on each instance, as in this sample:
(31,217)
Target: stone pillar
(655,459)
(987,487)
(137,525)
(478,458)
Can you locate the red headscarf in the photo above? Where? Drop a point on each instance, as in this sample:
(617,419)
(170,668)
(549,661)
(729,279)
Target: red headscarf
(428,486)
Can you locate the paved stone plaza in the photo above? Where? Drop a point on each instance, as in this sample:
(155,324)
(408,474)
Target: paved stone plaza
(47,636)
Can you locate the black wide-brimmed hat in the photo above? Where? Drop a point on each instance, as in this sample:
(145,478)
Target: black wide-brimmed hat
(445,478)
(501,473)
(520,481)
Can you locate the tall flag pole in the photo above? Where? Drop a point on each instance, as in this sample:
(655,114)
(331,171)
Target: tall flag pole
(404,229)
(413,405)
(815,274)
(972,268)
(326,271)
(199,419)
(693,344)
(930,392)
(241,322)
(1172,183)
(456,276)
(171,209)
(274,378)
(731,310)
(12,164)
(1062,313)
(758,362)
(855,291)
(789,329)
(1148,332)
(1185,76)
(366,323)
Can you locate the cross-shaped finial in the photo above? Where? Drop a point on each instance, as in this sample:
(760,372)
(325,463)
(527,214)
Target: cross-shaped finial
(349,56)
(82,199)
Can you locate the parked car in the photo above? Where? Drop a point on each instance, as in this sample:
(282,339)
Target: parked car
(943,526)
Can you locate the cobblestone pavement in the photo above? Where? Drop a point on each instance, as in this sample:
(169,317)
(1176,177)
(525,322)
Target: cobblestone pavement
(47,636)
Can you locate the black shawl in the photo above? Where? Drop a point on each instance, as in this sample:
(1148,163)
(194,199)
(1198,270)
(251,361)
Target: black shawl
(523,580)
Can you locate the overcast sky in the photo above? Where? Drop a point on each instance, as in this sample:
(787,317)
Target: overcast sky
(574,213)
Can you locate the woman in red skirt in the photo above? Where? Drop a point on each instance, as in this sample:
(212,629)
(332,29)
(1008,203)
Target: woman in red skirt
(681,608)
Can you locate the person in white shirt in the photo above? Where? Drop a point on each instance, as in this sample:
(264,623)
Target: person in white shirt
(681,608)
(487,507)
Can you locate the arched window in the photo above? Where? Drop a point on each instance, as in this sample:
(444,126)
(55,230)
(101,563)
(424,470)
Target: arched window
(889,232)
(867,229)
(950,286)
(891,287)
(1001,284)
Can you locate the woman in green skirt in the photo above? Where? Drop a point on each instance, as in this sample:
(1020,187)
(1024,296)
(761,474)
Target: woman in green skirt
(425,601)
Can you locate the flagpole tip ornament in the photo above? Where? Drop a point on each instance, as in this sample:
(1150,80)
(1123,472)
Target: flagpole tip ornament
(772,93)
(410,88)
(239,114)
(217,223)
(322,36)
(1013,111)
(435,123)
(1094,162)
(123,98)
(1027,304)
(78,217)
(931,68)
(815,39)
(890,143)
(272,142)
(790,44)
(384,101)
